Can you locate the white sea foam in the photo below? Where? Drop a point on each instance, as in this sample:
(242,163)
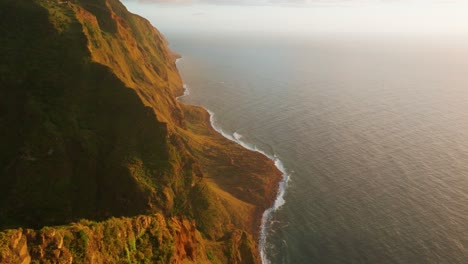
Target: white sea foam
(276,205)
(186,91)
(279,201)
(237,136)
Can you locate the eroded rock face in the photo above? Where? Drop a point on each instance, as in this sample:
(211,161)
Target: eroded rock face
(14,247)
(48,244)
(143,239)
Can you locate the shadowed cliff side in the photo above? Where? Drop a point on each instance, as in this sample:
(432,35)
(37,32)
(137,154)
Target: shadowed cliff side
(92,130)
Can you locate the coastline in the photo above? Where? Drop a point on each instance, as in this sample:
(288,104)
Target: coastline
(152,181)
(279,201)
(281,186)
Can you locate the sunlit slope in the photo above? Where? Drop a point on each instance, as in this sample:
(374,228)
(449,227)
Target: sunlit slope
(91,130)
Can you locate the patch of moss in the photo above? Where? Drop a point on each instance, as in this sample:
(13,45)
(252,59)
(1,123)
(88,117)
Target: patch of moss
(132,244)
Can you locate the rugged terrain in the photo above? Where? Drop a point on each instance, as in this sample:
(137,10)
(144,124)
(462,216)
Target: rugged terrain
(98,162)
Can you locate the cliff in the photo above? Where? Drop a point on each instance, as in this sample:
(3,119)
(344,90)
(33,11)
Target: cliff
(99,163)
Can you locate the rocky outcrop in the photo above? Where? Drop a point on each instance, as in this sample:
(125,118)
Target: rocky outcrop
(143,239)
(149,239)
(14,247)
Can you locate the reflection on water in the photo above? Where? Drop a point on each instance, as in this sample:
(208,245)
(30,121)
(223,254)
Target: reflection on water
(374,132)
(367,107)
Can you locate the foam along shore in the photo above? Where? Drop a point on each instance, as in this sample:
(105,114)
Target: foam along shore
(279,201)
(186,91)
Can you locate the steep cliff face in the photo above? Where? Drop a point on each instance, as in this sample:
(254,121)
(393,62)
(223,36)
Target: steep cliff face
(92,130)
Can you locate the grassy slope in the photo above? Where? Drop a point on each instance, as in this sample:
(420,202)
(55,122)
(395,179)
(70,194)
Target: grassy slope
(92,130)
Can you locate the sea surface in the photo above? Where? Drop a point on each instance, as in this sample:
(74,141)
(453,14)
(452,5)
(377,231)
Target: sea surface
(370,129)
(373,132)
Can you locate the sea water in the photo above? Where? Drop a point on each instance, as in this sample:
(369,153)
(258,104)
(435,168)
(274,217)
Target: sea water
(370,129)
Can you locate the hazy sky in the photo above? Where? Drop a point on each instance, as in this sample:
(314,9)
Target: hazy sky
(243,2)
(291,2)
(433,17)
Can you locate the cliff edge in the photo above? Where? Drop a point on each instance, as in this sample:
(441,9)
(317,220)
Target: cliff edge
(99,163)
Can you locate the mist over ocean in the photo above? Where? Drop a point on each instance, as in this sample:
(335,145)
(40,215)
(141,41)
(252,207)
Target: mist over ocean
(372,128)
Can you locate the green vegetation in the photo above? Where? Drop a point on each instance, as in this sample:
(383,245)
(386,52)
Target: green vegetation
(92,130)
(67,150)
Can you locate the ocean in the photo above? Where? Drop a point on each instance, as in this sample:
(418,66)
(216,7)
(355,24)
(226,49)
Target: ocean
(371,131)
